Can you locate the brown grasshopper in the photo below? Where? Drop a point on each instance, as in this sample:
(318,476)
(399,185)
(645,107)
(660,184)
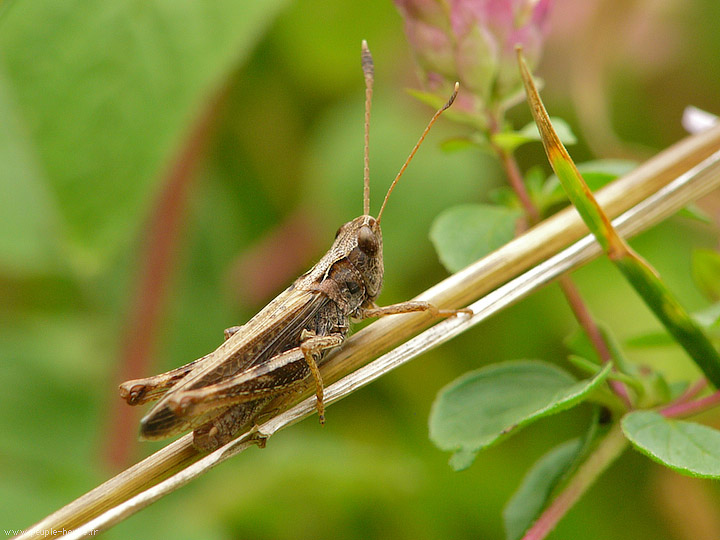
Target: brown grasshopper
(277,351)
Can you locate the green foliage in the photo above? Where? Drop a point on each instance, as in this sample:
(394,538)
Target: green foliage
(28,239)
(98,101)
(546,193)
(673,315)
(464,234)
(685,447)
(706,272)
(708,319)
(483,407)
(78,75)
(512,140)
(643,277)
(461,117)
(538,485)
(97,105)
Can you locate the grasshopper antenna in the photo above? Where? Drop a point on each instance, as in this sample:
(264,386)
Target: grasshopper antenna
(422,138)
(369,74)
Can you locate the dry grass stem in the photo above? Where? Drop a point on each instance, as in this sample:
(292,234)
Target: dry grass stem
(656,189)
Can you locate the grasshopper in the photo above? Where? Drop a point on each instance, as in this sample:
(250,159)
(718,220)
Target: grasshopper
(277,351)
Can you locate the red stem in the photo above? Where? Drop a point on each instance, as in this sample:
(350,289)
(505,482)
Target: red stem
(157,262)
(693,390)
(578,307)
(514,177)
(586,321)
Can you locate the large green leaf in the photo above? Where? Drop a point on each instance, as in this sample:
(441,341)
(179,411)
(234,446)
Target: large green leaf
(27,234)
(464,234)
(686,447)
(105,92)
(485,406)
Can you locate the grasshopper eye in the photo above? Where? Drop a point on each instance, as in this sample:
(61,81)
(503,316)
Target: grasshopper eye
(353,287)
(367,241)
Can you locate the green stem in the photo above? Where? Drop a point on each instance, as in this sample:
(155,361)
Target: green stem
(672,314)
(639,273)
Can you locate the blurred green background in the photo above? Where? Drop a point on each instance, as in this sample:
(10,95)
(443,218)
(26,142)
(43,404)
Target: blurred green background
(167,166)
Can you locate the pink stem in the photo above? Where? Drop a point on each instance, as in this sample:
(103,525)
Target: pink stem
(606,452)
(691,407)
(577,305)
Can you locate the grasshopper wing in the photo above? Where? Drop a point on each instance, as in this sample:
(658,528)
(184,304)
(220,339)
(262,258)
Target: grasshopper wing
(250,361)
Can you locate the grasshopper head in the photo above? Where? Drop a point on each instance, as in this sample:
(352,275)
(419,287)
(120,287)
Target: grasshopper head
(361,241)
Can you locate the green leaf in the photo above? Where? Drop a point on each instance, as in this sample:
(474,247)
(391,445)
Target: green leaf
(535,179)
(678,388)
(583,364)
(537,486)
(458,144)
(436,101)
(511,140)
(597,172)
(710,316)
(579,343)
(105,94)
(484,406)
(694,212)
(464,234)
(685,447)
(562,128)
(504,196)
(706,272)
(650,339)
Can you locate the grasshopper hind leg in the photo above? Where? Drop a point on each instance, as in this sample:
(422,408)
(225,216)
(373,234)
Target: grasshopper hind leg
(139,391)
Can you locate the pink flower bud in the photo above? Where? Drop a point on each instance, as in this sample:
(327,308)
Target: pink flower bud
(473,41)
